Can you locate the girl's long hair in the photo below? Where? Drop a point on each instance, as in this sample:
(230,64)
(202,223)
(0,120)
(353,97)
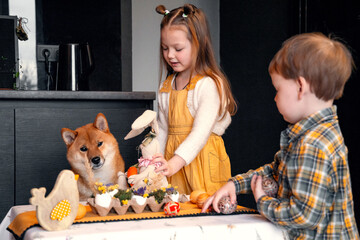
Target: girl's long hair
(204,62)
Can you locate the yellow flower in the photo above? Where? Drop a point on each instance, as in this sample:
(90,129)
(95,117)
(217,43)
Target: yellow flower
(146,195)
(146,180)
(124,202)
(163,189)
(169,185)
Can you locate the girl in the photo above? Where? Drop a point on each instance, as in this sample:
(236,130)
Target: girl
(195,104)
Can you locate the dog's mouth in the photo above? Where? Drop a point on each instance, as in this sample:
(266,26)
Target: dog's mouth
(96,163)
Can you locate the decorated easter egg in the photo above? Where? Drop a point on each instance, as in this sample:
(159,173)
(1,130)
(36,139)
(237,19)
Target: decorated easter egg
(270,186)
(172,208)
(225,206)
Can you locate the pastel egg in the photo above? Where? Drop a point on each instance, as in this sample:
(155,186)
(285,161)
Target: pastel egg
(225,206)
(270,186)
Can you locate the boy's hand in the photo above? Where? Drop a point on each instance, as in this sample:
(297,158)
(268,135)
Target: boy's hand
(227,190)
(256,187)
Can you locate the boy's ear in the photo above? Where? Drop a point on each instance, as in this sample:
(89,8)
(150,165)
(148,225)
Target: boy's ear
(303,86)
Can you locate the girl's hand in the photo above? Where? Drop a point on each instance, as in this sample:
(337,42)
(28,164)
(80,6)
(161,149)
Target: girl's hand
(168,168)
(256,187)
(227,190)
(164,167)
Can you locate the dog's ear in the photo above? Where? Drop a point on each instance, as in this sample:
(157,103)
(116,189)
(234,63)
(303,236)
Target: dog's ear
(68,136)
(101,123)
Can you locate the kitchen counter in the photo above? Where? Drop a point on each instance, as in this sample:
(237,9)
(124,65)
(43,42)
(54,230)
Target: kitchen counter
(89,95)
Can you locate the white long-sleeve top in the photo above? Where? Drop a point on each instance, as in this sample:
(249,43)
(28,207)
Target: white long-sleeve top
(203,102)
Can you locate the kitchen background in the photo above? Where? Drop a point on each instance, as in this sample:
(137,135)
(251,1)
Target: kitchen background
(124,37)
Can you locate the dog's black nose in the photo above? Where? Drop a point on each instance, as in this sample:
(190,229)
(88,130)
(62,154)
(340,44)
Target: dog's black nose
(95,160)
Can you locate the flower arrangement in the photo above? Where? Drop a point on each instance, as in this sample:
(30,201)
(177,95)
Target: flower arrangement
(140,192)
(136,199)
(124,196)
(172,193)
(107,188)
(105,194)
(159,195)
(170,190)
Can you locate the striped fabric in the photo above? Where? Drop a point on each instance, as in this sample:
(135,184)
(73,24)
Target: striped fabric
(314,199)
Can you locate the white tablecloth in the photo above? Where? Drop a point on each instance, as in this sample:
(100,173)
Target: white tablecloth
(225,227)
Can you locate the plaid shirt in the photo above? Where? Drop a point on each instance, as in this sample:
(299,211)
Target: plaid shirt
(314,199)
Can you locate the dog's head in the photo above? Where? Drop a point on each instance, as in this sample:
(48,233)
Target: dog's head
(91,144)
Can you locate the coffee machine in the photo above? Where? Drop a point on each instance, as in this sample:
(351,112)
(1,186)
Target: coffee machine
(75,65)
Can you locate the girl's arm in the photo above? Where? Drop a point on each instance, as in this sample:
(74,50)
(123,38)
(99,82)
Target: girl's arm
(162,122)
(205,117)
(204,120)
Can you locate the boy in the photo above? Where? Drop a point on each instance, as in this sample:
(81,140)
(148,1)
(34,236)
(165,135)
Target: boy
(314,200)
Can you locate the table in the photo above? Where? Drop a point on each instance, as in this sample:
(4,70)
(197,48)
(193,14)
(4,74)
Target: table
(244,226)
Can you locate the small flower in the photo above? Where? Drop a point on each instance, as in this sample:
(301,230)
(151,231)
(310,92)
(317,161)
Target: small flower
(105,188)
(139,191)
(145,195)
(146,180)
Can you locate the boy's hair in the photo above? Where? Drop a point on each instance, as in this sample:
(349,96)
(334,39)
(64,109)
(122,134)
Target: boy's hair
(325,63)
(204,61)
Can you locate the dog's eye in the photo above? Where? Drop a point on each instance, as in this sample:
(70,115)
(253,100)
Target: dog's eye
(100,144)
(83,149)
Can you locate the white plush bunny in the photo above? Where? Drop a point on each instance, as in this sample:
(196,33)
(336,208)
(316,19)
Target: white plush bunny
(149,147)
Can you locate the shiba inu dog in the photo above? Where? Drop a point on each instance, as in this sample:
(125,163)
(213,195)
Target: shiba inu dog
(93,154)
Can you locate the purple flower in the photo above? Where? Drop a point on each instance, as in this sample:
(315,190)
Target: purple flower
(140,191)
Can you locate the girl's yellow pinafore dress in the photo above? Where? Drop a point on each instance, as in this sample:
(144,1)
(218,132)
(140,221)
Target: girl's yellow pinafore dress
(211,167)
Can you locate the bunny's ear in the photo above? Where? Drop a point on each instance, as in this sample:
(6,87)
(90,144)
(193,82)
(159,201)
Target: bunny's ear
(133,133)
(141,123)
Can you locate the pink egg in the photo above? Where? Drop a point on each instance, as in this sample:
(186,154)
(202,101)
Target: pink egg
(225,206)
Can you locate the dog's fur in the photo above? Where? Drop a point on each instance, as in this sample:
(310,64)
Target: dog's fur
(93,154)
